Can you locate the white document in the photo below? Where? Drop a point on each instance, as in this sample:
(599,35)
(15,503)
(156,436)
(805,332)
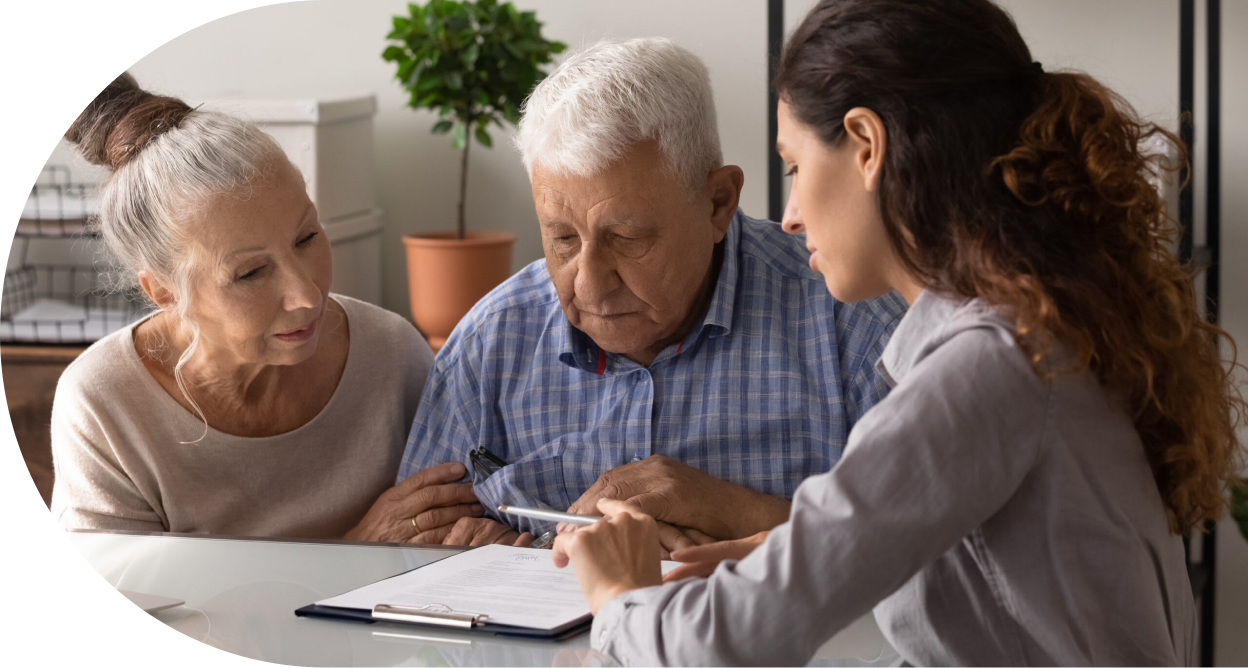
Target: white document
(516,586)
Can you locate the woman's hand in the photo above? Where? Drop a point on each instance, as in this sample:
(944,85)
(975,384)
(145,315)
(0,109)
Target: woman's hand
(421,509)
(701,561)
(674,538)
(614,555)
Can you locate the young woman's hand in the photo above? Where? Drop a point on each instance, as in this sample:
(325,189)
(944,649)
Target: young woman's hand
(701,561)
(614,555)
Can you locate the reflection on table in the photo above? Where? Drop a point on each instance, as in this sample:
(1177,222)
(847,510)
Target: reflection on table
(241,595)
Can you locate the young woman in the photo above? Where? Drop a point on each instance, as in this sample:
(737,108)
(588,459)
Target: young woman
(1059,414)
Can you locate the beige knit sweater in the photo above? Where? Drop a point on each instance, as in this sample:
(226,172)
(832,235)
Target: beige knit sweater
(120,462)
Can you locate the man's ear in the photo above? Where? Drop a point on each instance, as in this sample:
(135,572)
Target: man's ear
(156,291)
(725,186)
(864,128)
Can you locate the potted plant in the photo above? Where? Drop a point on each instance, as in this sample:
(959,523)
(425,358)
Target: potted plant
(474,61)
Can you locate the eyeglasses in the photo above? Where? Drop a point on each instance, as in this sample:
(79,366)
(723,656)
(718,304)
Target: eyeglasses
(484,462)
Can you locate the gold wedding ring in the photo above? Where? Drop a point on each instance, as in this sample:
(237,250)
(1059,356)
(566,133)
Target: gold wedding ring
(413,521)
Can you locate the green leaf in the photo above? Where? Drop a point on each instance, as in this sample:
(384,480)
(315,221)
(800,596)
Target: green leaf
(459,137)
(405,71)
(471,53)
(480,97)
(392,53)
(417,72)
(428,81)
(443,126)
(401,25)
(1239,506)
(484,137)
(454,80)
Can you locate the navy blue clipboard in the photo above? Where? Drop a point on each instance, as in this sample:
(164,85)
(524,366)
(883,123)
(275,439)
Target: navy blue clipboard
(359,616)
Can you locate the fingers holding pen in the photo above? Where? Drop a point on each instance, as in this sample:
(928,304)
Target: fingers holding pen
(613,555)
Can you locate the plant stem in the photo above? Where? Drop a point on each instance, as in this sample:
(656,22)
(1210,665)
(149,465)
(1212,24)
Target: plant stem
(463,186)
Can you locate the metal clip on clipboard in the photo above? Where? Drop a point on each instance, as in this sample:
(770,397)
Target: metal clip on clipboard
(436,614)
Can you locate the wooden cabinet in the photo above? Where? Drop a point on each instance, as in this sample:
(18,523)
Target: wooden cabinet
(30,377)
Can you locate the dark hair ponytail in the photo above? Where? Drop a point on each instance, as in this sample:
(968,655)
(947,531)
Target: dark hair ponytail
(1030,190)
(121,120)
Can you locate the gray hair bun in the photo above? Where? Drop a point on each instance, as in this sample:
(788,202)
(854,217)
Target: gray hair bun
(121,120)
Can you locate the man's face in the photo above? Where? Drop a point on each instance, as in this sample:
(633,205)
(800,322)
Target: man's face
(629,250)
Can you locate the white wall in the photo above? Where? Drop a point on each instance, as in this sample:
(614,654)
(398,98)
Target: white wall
(332,48)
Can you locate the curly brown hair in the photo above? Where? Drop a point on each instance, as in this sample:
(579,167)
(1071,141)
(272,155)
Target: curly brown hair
(1031,191)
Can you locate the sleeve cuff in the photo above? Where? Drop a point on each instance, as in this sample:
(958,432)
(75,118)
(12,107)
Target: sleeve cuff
(606,622)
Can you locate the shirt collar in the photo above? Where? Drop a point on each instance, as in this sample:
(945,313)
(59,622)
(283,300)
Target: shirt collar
(931,320)
(580,351)
(718,319)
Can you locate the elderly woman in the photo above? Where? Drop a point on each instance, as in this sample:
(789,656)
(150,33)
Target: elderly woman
(254,401)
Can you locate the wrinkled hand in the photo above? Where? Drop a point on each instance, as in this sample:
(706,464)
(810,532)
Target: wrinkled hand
(679,494)
(702,560)
(485,531)
(614,555)
(421,509)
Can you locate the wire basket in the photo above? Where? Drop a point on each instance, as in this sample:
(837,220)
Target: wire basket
(58,207)
(63,304)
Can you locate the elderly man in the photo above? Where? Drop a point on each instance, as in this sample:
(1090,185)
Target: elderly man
(666,349)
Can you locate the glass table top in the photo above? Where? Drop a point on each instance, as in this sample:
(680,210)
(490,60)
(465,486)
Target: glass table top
(241,595)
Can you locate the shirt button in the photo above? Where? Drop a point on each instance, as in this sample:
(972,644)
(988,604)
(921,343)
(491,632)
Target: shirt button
(636,458)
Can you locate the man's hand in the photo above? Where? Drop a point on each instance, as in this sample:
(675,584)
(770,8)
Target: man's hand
(682,495)
(421,509)
(701,561)
(485,531)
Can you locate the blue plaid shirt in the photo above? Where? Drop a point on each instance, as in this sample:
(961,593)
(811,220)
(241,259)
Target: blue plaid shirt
(761,393)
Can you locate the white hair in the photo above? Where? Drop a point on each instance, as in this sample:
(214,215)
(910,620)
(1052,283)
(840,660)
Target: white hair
(602,100)
(167,165)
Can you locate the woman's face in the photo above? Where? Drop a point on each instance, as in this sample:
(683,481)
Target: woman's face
(262,272)
(833,202)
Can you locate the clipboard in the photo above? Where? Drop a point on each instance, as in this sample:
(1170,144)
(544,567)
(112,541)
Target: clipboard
(443,619)
(516,592)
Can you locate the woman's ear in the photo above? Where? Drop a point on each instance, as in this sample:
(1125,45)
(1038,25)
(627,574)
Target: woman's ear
(870,139)
(156,291)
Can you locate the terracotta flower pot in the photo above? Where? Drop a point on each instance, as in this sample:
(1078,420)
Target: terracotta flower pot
(446,276)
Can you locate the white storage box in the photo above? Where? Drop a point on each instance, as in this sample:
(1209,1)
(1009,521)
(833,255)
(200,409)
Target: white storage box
(357,250)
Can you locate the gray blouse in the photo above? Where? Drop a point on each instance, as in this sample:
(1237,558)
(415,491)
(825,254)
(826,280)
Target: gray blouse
(989,517)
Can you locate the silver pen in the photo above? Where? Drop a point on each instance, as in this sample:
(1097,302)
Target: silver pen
(550,515)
